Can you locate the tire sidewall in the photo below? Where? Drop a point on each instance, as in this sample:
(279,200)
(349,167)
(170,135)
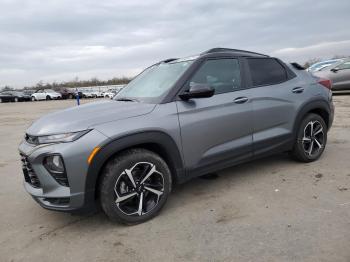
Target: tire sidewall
(112,172)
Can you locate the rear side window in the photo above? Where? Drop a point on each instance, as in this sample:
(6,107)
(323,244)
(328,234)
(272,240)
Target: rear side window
(266,71)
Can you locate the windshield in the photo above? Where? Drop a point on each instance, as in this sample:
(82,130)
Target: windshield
(154,82)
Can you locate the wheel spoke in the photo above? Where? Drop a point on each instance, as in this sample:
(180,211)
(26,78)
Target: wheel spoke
(311,148)
(155,191)
(318,131)
(128,173)
(153,169)
(123,198)
(306,139)
(318,143)
(311,128)
(139,211)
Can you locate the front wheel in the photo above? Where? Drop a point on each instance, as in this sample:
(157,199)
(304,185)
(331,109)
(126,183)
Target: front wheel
(134,186)
(33,98)
(311,139)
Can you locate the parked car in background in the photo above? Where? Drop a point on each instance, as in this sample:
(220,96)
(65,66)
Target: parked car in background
(109,94)
(320,65)
(178,119)
(67,94)
(13,96)
(6,96)
(28,92)
(45,94)
(88,94)
(97,93)
(338,73)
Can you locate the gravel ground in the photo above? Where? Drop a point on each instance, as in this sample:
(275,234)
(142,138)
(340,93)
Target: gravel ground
(273,209)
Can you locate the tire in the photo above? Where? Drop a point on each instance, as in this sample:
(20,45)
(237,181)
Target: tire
(70,96)
(16,99)
(48,98)
(115,184)
(311,139)
(33,98)
(1,100)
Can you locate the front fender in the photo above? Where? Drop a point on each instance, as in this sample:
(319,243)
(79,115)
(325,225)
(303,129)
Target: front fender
(112,147)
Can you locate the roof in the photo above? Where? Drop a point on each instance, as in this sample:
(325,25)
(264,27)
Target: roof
(237,52)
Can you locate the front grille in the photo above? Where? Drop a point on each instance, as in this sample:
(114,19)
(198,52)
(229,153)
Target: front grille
(29,174)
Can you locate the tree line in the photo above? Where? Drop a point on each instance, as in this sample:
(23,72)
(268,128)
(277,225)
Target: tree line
(74,83)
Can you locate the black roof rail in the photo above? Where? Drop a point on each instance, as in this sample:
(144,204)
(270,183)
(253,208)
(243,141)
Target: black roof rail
(168,60)
(221,49)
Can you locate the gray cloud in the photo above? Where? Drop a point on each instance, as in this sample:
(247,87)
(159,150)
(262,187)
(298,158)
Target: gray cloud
(58,40)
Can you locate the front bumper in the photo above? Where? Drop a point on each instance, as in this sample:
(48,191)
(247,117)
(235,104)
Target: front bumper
(45,189)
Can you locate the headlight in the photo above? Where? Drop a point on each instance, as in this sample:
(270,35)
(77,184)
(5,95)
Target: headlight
(57,138)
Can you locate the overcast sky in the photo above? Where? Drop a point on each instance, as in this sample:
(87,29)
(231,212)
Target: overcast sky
(63,39)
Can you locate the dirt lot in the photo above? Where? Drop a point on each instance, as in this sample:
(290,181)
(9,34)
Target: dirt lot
(273,209)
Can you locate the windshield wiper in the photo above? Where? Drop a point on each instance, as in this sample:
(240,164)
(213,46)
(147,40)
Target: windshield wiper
(126,99)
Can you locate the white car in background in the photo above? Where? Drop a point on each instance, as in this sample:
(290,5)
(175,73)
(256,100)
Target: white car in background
(88,94)
(45,94)
(109,94)
(97,93)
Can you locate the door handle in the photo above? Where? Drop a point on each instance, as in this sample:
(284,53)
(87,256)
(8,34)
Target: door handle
(298,90)
(241,100)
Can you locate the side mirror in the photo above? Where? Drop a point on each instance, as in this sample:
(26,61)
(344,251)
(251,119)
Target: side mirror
(198,91)
(334,70)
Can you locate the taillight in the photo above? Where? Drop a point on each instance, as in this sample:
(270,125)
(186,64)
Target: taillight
(326,83)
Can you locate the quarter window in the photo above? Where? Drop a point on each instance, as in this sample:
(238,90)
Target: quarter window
(266,71)
(221,74)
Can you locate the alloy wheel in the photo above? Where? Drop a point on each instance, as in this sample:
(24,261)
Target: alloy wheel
(313,139)
(139,189)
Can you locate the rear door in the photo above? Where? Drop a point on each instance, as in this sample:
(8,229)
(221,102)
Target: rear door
(277,94)
(216,131)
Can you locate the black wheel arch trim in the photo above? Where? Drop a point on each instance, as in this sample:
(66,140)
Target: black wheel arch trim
(316,104)
(112,147)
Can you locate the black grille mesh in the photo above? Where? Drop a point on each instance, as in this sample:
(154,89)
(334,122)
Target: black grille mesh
(29,174)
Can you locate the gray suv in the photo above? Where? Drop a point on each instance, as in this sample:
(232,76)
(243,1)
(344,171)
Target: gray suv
(178,119)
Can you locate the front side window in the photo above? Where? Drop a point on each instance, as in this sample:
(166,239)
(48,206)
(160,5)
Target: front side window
(154,82)
(221,74)
(266,71)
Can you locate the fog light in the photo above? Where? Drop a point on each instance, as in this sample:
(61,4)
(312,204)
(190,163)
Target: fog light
(54,164)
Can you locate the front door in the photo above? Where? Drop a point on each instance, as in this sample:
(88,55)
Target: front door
(216,131)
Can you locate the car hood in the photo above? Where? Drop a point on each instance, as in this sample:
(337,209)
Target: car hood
(87,116)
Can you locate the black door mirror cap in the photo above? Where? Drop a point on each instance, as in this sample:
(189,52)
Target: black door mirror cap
(198,91)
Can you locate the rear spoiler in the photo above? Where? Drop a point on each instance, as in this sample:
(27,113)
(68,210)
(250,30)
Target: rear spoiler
(297,66)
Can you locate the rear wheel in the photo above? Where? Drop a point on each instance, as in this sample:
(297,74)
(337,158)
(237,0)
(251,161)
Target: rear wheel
(135,186)
(1,100)
(16,99)
(311,139)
